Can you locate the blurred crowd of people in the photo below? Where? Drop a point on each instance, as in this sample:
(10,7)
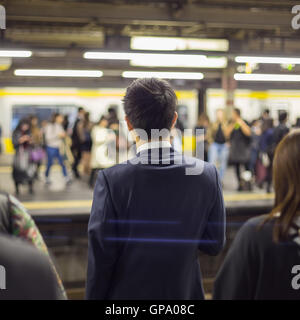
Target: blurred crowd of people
(248,146)
(84,144)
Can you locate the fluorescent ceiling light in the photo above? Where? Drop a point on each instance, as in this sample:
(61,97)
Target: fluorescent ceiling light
(163,75)
(276,60)
(58,73)
(169,44)
(110,55)
(161,60)
(15,53)
(266,77)
(179,60)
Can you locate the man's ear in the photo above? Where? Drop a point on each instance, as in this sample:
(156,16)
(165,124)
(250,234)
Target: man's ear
(174,119)
(129,125)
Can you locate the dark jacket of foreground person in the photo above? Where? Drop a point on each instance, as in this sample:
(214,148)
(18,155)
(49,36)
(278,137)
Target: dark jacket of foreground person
(258,268)
(28,274)
(264,259)
(16,223)
(147,225)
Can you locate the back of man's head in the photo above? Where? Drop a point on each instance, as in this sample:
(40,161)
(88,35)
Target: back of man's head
(150,104)
(282,116)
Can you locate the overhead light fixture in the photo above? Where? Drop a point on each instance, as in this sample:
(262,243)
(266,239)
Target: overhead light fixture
(173,43)
(179,60)
(275,60)
(163,75)
(110,55)
(161,59)
(15,53)
(58,73)
(266,77)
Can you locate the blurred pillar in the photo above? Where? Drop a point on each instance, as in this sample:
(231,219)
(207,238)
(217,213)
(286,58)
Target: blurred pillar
(229,85)
(201,100)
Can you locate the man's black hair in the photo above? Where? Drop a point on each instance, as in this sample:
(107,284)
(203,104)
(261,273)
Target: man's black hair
(80,109)
(150,103)
(282,116)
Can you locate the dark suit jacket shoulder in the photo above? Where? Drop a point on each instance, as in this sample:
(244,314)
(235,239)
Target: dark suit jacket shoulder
(256,267)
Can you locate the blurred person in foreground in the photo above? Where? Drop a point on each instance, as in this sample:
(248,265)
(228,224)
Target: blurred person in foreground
(76,142)
(99,152)
(54,136)
(239,134)
(151,215)
(24,168)
(30,272)
(219,149)
(264,259)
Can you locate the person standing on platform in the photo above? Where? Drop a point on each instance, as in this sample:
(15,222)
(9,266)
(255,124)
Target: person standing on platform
(218,149)
(76,142)
(84,130)
(24,169)
(239,134)
(282,129)
(112,116)
(99,153)
(152,214)
(263,263)
(266,153)
(54,135)
(255,134)
(38,153)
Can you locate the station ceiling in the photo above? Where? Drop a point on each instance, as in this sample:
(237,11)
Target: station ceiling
(59,31)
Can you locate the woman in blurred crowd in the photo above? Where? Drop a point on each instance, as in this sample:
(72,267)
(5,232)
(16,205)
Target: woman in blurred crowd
(99,153)
(240,144)
(15,222)
(84,129)
(24,169)
(201,137)
(54,135)
(263,261)
(218,149)
(37,154)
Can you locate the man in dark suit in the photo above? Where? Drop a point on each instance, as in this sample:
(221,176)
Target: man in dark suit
(152,214)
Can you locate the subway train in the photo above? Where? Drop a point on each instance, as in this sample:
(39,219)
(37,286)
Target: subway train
(16,103)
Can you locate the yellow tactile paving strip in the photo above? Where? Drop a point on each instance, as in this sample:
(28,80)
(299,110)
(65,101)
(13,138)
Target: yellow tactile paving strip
(87,203)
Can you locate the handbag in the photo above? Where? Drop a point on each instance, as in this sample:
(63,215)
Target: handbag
(37,155)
